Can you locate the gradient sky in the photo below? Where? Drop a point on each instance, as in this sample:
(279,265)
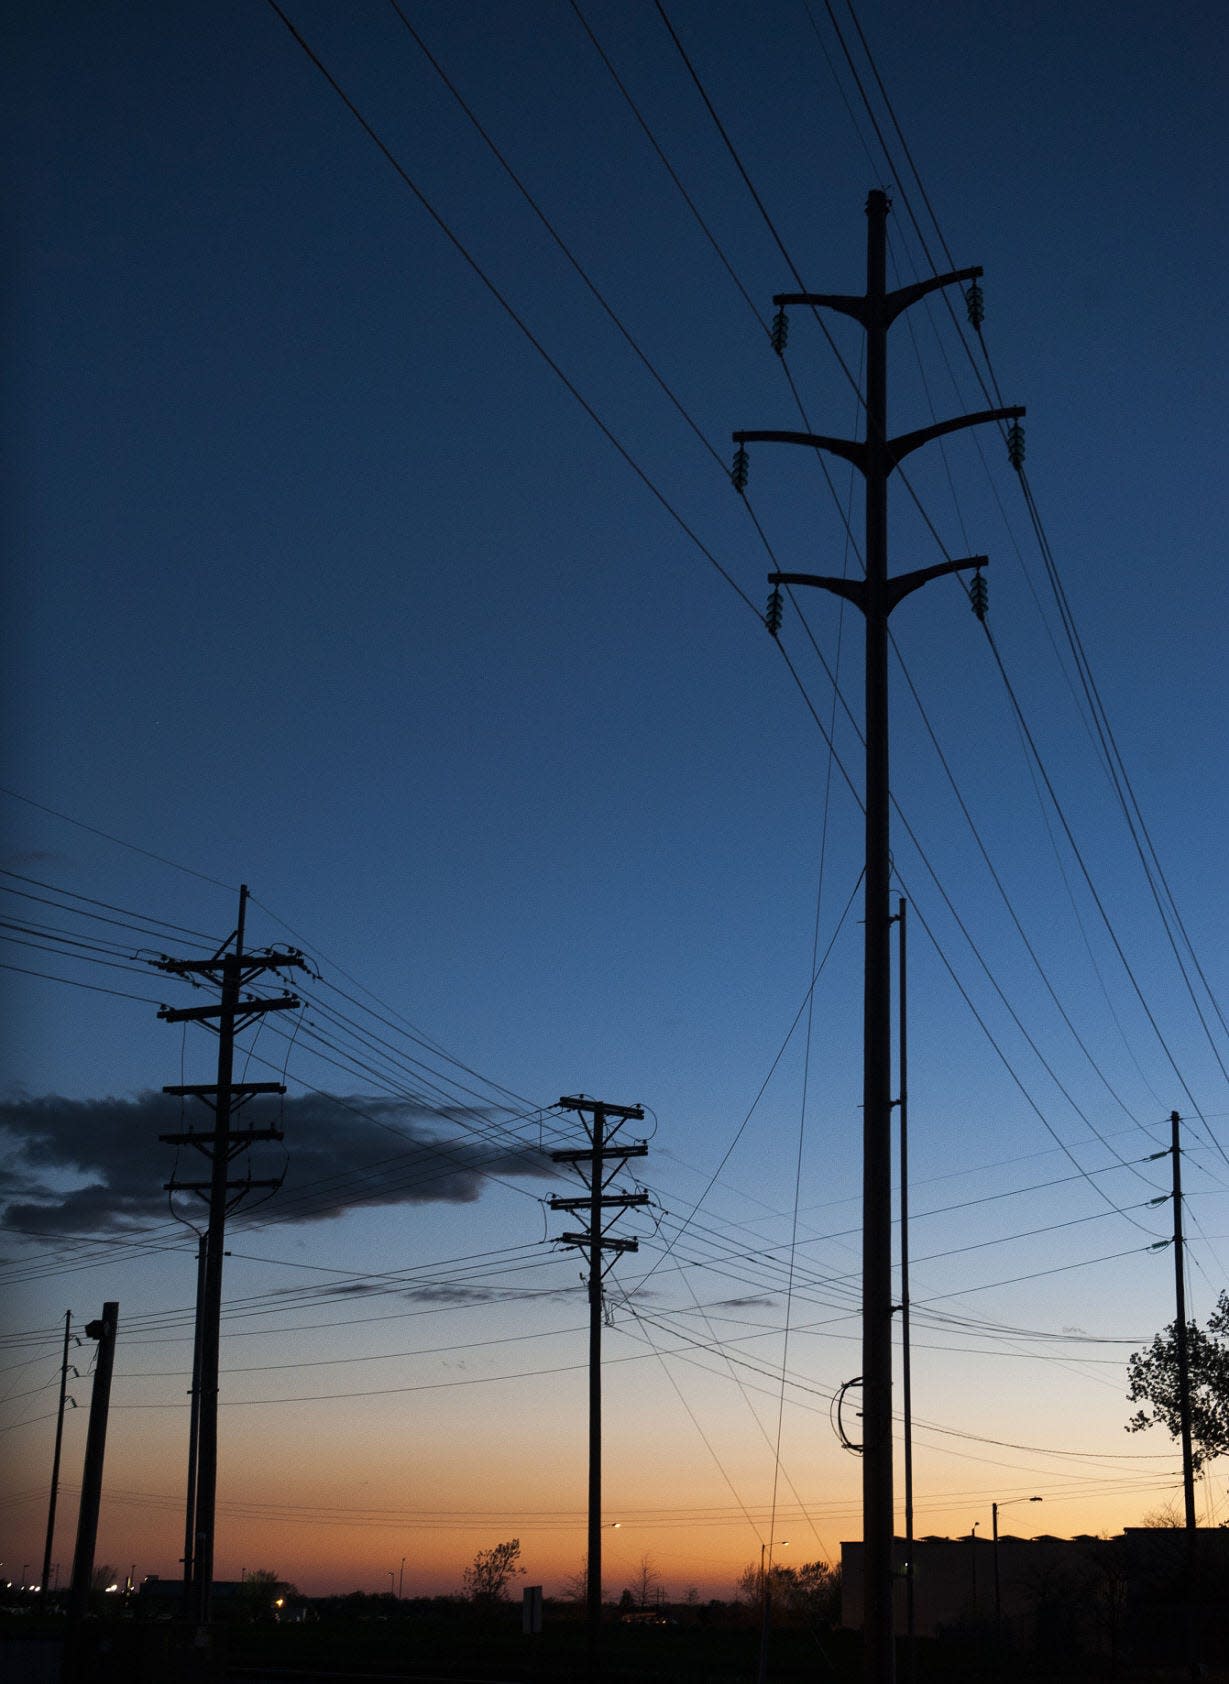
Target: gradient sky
(320,578)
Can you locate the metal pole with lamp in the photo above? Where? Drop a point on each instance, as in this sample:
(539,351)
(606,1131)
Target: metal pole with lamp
(994,1524)
(762,1670)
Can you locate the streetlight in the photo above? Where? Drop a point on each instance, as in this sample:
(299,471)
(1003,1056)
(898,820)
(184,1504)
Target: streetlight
(392,1582)
(783,1543)
(401,1581)
(994,1523)
(973,1562)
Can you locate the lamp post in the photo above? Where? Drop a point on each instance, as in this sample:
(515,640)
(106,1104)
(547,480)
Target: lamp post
(392,1582)
(762,1672)
(994,1524)
(401,1581)
(973,1562)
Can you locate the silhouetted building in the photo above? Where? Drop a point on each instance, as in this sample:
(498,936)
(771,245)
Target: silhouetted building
(1096,1596)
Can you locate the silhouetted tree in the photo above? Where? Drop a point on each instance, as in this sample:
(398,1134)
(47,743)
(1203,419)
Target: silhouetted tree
(261,1594)
(1153,1377)
(487,1577)
(647,1583)
(576,1585)
(1165,1519)
(812,1591)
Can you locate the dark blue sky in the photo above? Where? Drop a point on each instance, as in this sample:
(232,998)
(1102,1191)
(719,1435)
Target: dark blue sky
(321,579)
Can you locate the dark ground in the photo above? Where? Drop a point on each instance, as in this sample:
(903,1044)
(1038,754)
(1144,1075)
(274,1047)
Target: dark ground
(454,1645)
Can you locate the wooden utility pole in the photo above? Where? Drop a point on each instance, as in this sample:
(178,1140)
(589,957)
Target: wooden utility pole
(876,595)
(598,1164)
(95,1449)
(194,1422)
(1180,1332)
(44,1582)
(231,970)
(1194,1590)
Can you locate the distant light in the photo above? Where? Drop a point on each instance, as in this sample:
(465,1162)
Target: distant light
(110,1588)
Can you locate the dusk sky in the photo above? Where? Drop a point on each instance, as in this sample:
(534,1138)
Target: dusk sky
(370,540)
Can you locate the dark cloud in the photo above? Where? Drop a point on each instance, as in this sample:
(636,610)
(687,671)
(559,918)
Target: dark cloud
(432,1292)
(97,1166)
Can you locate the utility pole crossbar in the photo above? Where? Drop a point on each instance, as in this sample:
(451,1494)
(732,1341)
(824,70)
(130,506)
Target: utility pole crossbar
(876,456)
(621,1201)
(237,1141)
(587,1154)
(252,1008)
(238,1090)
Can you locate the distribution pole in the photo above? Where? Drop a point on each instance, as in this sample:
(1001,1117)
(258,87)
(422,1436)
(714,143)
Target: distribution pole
(1180,1334)
(194,1420)
(231,970)
(599,1163)
(44,1582)
(876,595)
(95,1449)
(1193,1588)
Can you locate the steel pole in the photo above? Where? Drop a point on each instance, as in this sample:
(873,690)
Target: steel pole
(877,1510)
(906,1353)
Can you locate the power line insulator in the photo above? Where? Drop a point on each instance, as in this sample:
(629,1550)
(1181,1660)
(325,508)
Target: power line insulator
(780,331)
(975,303)
(738,473)
(772,614)
(979,597)
(1015,445)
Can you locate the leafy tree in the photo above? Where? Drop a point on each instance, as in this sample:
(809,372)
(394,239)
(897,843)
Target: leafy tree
(261,1594)
(817,1591)
(1153,1377)
(487,1577)
(812,1590)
